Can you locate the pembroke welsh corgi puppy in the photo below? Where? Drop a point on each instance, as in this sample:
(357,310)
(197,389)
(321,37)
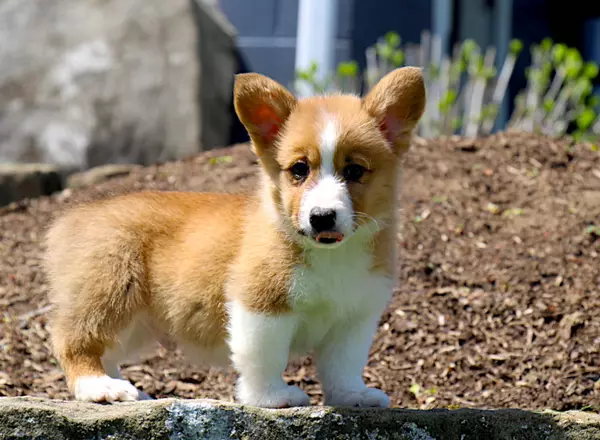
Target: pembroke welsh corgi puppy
(304,264)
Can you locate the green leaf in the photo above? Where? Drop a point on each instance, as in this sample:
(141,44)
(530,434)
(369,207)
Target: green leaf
(393,39)
(415,389)
(492,208)
(476,64)
(469,46)
(303,75)
(384,50)
(348,69)
(456,69)
(513,212)
(546,44)
(398,58)
(515,46)
(220,160)
(489,72)
(490,110)
(447,100)
(431,391)
(547,69)
(559,51)
(590,70)
(573,63)
(585,119)
(456,123)
(584,86)
(549,105)
(593,230)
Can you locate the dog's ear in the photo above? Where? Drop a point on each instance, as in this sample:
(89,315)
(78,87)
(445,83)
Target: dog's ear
(397,103)
(262,105)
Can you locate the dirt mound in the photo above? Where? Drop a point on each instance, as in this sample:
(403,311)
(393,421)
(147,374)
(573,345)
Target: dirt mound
(499,304)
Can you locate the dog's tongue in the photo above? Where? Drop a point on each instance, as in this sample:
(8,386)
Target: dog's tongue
(329,237)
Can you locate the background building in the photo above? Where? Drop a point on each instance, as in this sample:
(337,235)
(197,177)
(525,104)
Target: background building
(268,29)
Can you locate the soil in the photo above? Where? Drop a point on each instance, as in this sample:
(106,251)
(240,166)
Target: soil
(498,304)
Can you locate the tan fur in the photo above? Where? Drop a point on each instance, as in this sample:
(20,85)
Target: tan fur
(166,253)
(170,256)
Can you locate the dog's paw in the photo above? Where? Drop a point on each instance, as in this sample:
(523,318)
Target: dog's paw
(106,389)
(285,397)
(364,398)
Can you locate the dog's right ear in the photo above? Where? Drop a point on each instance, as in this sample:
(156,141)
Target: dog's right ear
(263,105)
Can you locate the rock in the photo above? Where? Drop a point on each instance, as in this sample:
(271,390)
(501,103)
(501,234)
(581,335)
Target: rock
(99,174)
(86,83)
(22,181)
(177,419)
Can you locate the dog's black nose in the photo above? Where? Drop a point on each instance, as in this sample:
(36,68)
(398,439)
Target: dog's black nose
(322,219)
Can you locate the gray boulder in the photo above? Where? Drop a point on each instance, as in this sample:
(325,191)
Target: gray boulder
(175,419)
(85,83)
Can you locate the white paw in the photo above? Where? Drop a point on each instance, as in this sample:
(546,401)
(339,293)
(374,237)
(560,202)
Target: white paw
(286,396)
(106,389)
(364,398)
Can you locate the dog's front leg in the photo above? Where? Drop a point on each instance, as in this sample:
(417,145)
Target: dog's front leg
(341,359)
(260,347)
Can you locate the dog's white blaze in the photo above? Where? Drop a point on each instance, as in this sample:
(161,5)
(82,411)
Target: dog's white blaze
(329,192)
(329,138)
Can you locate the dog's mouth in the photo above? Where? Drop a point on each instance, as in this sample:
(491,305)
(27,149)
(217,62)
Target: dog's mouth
(329,237)
(325,237)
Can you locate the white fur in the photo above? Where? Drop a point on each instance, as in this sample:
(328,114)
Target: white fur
(260,349)
(329,192)
(105,389)
(336,302)
(140,337)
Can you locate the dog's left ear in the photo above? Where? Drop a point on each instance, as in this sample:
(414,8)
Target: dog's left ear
(397,103)
(263,105)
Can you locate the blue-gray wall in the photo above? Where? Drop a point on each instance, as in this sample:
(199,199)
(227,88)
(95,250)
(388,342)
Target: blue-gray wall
(267,33)
(267,29)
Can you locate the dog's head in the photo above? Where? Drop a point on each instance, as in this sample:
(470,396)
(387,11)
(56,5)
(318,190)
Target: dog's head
(331,161)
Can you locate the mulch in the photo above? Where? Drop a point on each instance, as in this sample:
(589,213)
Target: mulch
(499,300)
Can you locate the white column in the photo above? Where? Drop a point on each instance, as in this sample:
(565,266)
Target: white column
(502,37)
(316,37)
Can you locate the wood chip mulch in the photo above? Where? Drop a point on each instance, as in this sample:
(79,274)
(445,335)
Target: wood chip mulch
(499,304)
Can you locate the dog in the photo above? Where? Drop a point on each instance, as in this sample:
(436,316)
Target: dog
(303,264)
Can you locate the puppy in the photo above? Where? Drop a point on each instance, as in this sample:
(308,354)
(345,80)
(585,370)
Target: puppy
(304,264)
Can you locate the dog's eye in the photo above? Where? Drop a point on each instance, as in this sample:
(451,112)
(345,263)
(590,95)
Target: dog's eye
(353,172)
(300,170)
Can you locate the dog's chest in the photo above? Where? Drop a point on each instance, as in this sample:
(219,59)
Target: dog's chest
(333,288)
